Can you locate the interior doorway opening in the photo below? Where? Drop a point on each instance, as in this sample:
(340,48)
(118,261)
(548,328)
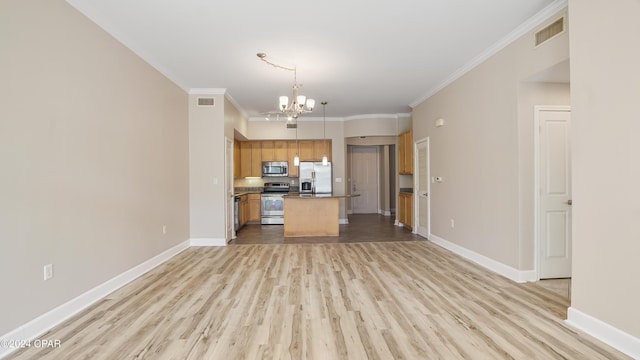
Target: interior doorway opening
(385,174)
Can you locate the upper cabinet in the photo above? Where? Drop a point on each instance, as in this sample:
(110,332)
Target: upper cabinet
(274,150)
(305,150)
(280,150)
(249,155)
(319,148)
(236,159)
(250,159)
(268,153)
(405,153)
(292,150)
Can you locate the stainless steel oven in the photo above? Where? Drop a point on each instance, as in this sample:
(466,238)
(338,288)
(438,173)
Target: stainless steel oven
(272,203)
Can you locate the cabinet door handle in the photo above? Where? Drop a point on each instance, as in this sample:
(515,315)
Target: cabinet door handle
(570,202)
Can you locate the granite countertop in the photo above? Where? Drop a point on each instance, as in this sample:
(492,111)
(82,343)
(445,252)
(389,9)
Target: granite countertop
(319,196)
(240,193)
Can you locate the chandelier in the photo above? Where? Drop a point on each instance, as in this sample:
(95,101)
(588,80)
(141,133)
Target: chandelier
(299,103)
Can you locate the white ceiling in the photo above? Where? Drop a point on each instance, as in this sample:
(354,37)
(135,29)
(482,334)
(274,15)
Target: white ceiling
(363,57)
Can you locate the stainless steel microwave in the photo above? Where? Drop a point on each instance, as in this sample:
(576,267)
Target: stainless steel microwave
(275,168)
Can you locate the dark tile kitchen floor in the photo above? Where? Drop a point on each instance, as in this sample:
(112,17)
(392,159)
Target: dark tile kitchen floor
(361,228)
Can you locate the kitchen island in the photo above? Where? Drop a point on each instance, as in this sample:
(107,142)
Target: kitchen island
(312,214)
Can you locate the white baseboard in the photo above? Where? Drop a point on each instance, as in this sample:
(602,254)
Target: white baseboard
(50,319)
(343,221)
(519,276)
(604,332)
(208,242)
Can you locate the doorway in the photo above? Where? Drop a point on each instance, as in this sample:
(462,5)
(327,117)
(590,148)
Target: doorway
(422,189)
(553,200)
(364,179)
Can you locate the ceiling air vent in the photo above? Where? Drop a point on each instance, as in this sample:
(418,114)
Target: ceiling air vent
(552,30)
(206,101)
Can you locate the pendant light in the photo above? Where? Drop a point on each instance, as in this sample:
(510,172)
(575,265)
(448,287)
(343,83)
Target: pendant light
(296,159)
(325,161)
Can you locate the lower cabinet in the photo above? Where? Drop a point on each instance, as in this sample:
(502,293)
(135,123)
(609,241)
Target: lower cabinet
(254,207)
(249,209)
(243,210)
(405,209)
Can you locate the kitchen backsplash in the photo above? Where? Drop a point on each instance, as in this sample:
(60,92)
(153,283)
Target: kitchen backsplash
(256,184)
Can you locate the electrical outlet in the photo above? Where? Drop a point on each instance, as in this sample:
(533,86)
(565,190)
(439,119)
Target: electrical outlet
(453,223)
(48,271)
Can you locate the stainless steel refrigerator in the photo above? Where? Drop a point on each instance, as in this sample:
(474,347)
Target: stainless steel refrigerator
(318,176)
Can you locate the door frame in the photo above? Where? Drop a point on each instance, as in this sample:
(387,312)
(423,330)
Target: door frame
(377,177)
(230,232)
(537,109)
(416,182)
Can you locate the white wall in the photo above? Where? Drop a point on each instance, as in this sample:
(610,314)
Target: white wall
(94,154)
(531,94)
(206,168)
(487,134)
(606,171)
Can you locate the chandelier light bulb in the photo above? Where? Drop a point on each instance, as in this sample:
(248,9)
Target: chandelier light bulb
(311,104)
(284,102)
(296,160)
(301,100)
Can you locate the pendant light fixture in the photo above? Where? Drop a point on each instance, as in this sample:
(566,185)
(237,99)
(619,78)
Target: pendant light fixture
(296,159)
(325,161)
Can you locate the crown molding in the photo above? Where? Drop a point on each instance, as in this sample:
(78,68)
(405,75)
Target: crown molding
(393,117)
(533,22)
(378,116)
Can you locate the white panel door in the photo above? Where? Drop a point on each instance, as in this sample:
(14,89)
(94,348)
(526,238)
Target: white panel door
(555,194)
(422,189)
(364,179)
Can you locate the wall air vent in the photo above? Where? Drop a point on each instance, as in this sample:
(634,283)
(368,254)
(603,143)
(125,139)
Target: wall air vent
(206,101)
(292,125)
(549,32)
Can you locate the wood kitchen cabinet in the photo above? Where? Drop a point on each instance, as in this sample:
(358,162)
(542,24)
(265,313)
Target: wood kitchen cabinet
(312,150)
(249,155)
(405,209)
(254,207)
(292,150)
(405,153)
(280,150)
(245,158)
(319,149)
(267,152)
(306,150)
(250,158)
(243,210)
(236,159)
(256,158)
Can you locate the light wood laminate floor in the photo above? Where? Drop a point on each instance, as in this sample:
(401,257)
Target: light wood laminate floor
(367,300)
